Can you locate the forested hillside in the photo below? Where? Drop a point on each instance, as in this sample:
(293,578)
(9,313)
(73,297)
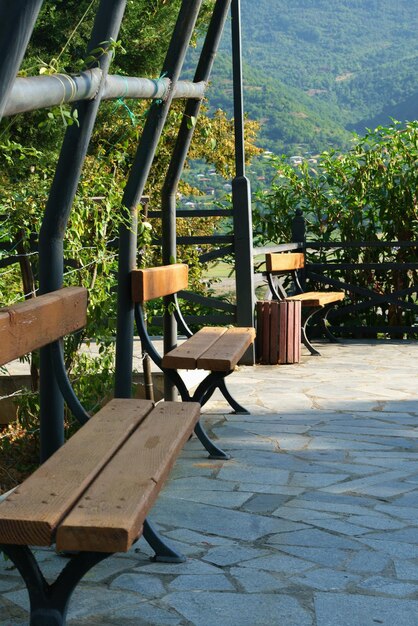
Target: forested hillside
(316,70)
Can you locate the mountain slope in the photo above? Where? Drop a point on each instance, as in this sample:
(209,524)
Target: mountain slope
(323,69)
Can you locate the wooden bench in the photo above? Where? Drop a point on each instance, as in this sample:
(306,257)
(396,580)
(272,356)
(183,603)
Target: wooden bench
(214,349)
(316,303)
(92,495)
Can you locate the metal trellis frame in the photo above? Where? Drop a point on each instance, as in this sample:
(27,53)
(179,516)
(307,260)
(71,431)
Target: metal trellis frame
(87,90)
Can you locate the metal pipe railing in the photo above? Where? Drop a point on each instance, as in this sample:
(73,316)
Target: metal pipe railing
(39,92)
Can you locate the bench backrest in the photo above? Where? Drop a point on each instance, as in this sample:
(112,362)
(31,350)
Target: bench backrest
(284,261)
(156,282)
(34,323)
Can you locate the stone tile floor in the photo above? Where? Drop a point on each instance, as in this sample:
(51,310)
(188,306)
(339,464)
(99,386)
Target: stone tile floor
(313,522)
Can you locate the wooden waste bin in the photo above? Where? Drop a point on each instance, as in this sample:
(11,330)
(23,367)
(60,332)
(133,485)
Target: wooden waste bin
(278,332)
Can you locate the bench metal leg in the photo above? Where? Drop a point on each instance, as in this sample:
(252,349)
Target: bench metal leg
(209,445)
(163,552)
(325,328)
(49,603)
(238,409)
(305,339)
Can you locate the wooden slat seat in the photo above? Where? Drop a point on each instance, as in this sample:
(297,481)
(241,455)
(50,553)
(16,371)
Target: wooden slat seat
(318,298)
(94,493)
(110,514)
(211,348)
(31,514)
(225,353)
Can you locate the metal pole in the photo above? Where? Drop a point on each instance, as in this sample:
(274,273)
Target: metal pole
(241,195)
(184,137)
(17,19)
(134,190)
(37,92)
(58,208)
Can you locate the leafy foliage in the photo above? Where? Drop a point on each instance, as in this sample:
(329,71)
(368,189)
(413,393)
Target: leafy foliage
(366,194)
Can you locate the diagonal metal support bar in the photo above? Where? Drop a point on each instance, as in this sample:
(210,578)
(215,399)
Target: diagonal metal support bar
(175,169)
(57,212)
(134,189)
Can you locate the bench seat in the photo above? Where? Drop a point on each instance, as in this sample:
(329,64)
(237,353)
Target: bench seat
(317,298)
(212,348)
(94,493)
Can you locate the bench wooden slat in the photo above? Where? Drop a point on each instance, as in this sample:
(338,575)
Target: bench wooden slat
(109,516)
(29,325)
(155,282)
(186,355)
(318,298)
(283,261)
(223,355)
(32,512)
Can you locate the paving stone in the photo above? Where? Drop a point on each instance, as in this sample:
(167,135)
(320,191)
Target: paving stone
(256,581)
(189,536)
(406,570)
(334,609)
(355,486)
(331,557)
(241,472)
(10,583)
(230,609)
(406,500)
(388,586)
(314,538)
(302,515)
(321,442)
(272,489)
(199,483)
(204,582)
(375,522)
(149,586)
(301,479)
(109,567)
(392,548)
(89,601)
(191,567)
(264,503)
(368,562)
(225,499)
(278,460)
(321,497)
(338,526)
(337,506)
(326,579)
(214,520)
(280,563)
(409,535)
(231,554)
(145,614)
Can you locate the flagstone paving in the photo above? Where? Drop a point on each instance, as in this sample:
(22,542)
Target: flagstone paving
(313,521)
